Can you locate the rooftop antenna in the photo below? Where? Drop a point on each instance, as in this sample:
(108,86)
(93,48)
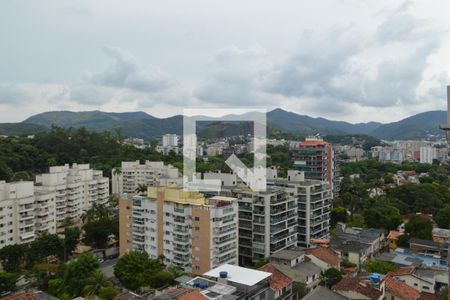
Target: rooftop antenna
(446,127)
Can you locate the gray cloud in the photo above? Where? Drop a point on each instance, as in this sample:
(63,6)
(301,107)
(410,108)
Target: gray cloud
(126,73)
(85,93)
(13,94)
(400,26)
(235,77)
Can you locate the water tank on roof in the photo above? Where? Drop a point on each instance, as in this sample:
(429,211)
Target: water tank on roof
(223,274)
(375,278)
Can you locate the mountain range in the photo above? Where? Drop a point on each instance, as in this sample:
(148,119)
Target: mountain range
(142,125)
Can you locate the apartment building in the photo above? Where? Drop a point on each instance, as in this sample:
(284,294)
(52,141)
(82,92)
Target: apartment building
(45,211)
(313,198)
(170,142)
(428,154)
(317,159)
(267,223)
(17,217)
(131,174)
(76,189)
(192,232)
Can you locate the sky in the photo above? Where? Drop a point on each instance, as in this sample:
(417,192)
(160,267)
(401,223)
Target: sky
(351,60)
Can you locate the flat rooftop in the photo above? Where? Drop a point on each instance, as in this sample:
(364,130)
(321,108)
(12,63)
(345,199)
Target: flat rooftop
(239,275)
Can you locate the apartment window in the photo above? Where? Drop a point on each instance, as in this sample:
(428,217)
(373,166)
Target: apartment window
(197,248)
(167,232)
(197,219)
(196,267)
(197,228)
(425,288)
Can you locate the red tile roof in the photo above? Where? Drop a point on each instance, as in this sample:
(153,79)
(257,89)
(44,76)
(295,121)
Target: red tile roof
(394,235)
(354,284)
(313,143)
(277,280)
(324,254)
(400,289)
(192,295)
(22,296)
(402,271)
(428,296)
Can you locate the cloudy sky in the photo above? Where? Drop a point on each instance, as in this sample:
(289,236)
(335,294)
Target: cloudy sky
(352,60)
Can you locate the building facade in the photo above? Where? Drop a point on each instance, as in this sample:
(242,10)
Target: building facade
(317,159)
(192,232)
(267,223)
(131,174)
(24,213)
(76,189)
(313,199)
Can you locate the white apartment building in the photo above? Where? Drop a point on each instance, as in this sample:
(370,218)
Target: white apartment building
(76,189)
(152,173)
(192,232)
(17,215)
(170,140)
(427,154)
(45,211)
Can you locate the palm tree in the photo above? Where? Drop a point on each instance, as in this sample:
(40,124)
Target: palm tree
(141,189)
(95,283)
(117,172)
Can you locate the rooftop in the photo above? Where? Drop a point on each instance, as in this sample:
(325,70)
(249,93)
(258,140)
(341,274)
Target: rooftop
(355,284)
(288,254)
(325,255)
(323,293)
(400,289)
(278,280)
(239,275)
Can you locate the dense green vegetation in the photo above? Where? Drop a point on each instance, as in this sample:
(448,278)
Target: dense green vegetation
(81,277)
(391,204)
(59,146)
(21,157)
(136,270)
(381,267)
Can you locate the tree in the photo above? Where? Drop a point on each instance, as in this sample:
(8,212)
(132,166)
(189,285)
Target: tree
(419,227)
(162,278)
(442,218)
(78,272)
(378,266)
(45,246)
(300,289)
(141,189)
(135,269)
(71,240)
(12,257)
(332,276)
(338,214)
(381,216)
(108,293)
(95,283)
(96,232)
(7,282)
